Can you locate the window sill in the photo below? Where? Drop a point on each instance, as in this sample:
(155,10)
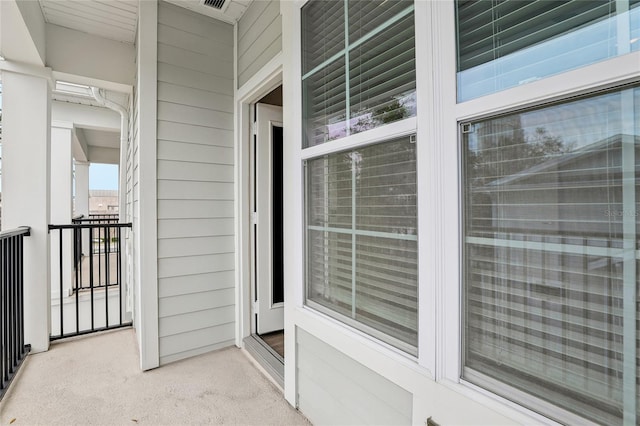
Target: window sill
(503,406)
(398,366)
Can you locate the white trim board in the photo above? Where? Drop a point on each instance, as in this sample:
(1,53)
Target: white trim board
(263,82)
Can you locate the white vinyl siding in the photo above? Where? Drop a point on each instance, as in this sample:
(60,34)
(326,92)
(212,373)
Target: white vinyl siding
(335,389)
(131,199)
(259,38)
(195,183)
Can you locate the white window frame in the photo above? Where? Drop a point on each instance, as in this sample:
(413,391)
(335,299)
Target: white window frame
(444,132)
(380,134)
(439,206)
(404,369)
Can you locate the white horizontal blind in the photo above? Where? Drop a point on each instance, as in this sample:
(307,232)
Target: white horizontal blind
(505,43)
(359,78)
(362,238)
(551,249)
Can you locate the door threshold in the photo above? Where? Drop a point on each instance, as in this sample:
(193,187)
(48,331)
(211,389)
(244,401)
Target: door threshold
(268,358)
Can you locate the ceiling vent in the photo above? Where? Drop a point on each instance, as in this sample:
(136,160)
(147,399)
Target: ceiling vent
(216,4)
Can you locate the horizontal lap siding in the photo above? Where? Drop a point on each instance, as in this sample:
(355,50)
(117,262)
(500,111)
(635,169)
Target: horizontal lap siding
(130,214)
(259,38)
(195,184)
(333,386)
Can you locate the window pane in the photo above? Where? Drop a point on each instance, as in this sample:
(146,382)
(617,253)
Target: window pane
(365,83)
(322,32)
(330,270)
(329,192)
(551,243)
(364,267)
(507,43)
(324,103)
(367,15)
(382,83)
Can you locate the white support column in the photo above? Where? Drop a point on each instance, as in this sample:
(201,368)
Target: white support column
(82,189)
(145,214)
(61,207)
(82,199)
(26,122)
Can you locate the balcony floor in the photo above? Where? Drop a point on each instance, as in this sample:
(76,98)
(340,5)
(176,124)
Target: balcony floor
(97,380)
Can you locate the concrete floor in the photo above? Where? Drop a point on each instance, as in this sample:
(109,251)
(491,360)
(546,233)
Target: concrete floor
(97,380)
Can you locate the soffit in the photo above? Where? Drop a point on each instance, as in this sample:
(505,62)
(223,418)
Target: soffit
(102,138)
(231,11)
(118,19)
(112,19)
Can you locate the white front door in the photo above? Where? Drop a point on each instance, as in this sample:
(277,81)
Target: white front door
(267,219)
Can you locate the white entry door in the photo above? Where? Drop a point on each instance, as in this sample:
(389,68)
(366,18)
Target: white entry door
(267,219)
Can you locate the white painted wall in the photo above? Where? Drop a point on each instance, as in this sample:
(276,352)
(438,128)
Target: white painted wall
(22,32)
(34,21)
(85,116)
(259,38)
(335,389)
(102,155)
(74,52)
(130,206)
(61,208)
(195,183)
(26,133)
(145,255)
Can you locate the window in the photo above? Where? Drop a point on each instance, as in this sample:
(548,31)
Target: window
(551,249)
(502,44)
(362,239)
(358,66)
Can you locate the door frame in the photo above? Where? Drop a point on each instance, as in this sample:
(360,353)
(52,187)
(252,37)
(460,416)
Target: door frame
(261,252)
(264,81)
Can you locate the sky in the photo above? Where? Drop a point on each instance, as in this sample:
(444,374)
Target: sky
(103,176)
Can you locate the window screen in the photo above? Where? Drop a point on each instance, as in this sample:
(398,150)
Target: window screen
(362,239)
(359,78)
(502,44)
(550,254)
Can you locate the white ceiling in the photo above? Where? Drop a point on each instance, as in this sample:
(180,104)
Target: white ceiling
(102,138)
(112,19)
(231,11)
(117,19)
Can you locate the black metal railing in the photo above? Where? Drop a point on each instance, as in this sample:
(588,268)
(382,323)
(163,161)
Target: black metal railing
(93,241)
(12,347)
(104,216)
(90,291)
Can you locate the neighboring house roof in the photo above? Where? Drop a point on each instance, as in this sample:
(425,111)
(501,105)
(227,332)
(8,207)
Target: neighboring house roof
(562,159)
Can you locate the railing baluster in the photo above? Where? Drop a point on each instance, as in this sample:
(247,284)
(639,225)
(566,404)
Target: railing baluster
(6,321)
(119,272)
(91,274)
(12,296)
(105,236)
(61,289)
(100,238)
(12,347)
(106,276)
(21,291)
(77,289)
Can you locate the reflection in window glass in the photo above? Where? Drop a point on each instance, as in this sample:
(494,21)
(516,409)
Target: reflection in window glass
(362,239)
(507,43)
(550,246)
(361,83)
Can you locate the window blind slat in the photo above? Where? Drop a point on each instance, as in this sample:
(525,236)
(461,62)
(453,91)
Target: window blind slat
(374,277)
(502,44)
(381,86)
(545,258)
